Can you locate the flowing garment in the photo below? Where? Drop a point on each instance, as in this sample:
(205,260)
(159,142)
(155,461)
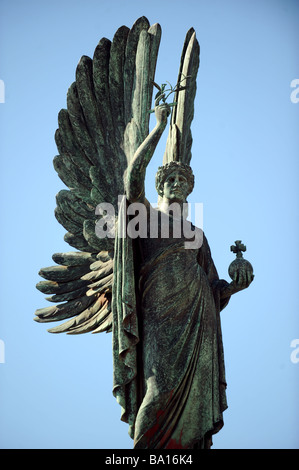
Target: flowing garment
(169,373)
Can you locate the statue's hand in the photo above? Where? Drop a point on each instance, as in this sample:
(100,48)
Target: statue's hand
(162,112)
(242,278)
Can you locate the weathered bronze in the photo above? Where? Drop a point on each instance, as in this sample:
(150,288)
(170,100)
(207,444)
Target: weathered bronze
(160,295)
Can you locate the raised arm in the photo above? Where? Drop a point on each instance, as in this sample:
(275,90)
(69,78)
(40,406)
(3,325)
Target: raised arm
(136,170)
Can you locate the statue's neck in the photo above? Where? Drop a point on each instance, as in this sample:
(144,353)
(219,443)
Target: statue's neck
(179,209)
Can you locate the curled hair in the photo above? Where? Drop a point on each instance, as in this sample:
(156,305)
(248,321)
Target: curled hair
(165,170)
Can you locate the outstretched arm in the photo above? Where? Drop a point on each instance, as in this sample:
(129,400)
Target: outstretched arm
(241,278)
(136,170)
(242,281)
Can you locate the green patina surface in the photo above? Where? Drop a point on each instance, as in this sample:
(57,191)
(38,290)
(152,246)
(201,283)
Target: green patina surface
(161,301)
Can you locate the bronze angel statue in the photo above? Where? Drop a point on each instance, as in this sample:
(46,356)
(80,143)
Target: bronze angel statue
(160,300)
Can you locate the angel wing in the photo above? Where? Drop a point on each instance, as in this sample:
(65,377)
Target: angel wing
(105,121)
(179,141)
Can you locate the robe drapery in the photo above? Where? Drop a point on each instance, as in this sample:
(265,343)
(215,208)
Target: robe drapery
(168,362)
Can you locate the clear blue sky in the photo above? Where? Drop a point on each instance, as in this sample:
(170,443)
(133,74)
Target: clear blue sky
(55,390)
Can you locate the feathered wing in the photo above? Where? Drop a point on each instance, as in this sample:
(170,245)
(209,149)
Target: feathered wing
(106,119)
(179,141)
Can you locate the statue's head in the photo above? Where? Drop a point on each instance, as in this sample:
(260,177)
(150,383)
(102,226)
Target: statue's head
(175,180)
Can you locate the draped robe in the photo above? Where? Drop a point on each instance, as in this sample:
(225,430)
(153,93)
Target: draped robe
(169,375)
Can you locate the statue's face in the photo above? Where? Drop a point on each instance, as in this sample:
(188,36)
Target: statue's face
(176,187)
